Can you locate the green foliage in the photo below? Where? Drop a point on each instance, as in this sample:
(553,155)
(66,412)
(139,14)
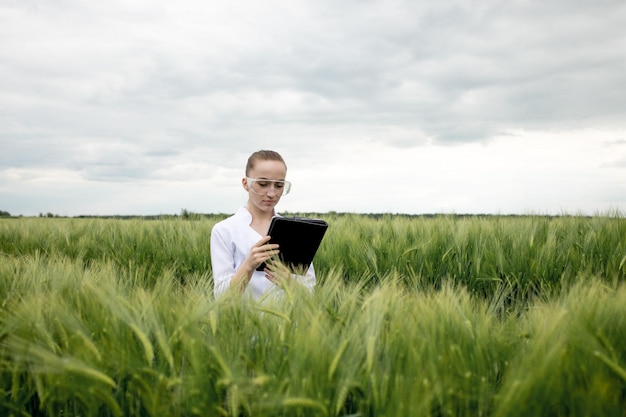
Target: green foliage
(422,316)
(143,249)
(529,255)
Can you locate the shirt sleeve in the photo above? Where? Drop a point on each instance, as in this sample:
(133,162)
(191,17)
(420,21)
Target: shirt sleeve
(222,261)
(307,280)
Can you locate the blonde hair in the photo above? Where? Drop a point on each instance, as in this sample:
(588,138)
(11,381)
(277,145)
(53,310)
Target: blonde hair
(263,155)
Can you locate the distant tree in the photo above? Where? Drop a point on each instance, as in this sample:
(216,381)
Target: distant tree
(189,215)
(4,213)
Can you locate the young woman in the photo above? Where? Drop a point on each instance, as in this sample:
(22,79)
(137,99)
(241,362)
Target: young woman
(239,243)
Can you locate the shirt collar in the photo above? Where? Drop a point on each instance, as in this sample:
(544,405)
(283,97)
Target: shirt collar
(246,216)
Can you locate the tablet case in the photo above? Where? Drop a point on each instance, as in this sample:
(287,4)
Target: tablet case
(298,239)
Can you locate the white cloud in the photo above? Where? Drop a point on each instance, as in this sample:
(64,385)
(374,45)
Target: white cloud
(123,96)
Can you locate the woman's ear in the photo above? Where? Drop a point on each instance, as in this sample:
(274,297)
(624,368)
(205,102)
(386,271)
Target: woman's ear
(244,183)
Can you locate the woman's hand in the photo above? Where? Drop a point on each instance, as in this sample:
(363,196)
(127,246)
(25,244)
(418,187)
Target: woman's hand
(277,273)
(261,252)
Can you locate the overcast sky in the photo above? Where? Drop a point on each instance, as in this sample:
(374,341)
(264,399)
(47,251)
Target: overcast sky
(432,106)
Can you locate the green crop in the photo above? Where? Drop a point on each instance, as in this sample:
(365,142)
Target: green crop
(412,316)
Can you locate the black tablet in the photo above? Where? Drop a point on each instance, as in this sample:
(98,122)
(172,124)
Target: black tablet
(298,239)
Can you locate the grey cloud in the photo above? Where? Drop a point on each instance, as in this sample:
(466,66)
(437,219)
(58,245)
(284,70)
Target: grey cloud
(454,72)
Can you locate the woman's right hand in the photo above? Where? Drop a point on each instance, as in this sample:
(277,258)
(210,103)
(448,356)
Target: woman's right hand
(262,251)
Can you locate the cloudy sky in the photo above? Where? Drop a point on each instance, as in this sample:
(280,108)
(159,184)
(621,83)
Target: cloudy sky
(432,106)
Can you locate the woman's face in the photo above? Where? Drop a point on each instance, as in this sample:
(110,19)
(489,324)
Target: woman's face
(265,195)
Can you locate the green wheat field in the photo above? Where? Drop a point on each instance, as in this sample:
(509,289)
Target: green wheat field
(413,316)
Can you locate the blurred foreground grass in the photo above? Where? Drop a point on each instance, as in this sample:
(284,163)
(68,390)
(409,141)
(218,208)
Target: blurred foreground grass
(443,316)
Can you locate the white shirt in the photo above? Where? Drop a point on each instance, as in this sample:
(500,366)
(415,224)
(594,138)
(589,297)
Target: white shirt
(231,241)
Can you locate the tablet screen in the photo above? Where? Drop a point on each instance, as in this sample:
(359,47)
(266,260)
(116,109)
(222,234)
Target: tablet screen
(298,239)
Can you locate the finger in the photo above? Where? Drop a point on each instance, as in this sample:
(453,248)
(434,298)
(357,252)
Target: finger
(265,249)
(268,255)
(272,246)
(263,241)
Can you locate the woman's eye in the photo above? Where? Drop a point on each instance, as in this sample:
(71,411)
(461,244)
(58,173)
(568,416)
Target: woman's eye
(263,183)
(279,185)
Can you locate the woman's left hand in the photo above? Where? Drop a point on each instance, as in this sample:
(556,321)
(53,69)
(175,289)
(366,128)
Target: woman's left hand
(277,273)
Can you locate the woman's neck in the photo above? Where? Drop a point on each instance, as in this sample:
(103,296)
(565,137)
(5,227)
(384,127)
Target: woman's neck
(260,219)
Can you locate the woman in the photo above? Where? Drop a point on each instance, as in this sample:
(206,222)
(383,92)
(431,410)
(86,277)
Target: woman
(239,243)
